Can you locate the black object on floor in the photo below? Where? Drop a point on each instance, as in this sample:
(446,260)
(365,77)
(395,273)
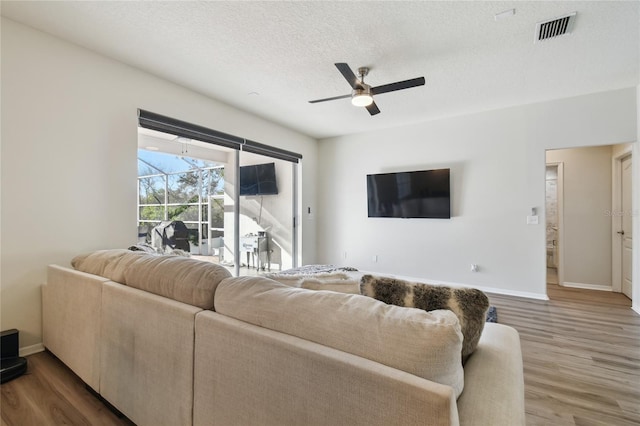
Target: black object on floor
(12,368)
(11,365)
(492,314)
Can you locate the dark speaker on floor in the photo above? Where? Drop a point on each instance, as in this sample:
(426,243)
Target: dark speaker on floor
(11,364)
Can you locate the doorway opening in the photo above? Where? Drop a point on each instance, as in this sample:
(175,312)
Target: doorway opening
(588,218)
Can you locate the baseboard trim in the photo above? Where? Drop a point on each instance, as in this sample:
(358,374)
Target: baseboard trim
(524,294)
(494,290)
(584,286)
(30,350)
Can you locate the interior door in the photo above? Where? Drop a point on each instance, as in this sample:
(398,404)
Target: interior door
(626,231)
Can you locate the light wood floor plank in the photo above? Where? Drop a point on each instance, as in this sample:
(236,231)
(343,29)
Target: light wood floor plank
(51,394)
(581,353)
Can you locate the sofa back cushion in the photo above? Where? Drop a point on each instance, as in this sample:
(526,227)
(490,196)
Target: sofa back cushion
(176,277)
(109,264)
(426,344)
(180,278)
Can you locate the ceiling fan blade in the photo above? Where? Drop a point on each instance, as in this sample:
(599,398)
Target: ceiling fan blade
(348,75)
(373,109)
(330,99)
(391,87)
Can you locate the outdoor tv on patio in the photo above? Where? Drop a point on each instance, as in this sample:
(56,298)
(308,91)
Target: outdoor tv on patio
(258,179)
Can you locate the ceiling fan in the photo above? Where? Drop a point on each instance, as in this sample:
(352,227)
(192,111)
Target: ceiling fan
(362,93)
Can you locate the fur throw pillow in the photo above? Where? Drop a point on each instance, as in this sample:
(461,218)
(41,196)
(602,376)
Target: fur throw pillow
(470,305)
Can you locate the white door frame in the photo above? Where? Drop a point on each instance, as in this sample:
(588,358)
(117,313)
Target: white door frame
(635,220)
(560,194)
(616,219)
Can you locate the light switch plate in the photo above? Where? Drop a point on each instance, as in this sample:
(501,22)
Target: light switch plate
(532,220)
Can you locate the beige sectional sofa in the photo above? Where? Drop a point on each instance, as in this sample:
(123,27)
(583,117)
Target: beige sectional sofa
(174,341)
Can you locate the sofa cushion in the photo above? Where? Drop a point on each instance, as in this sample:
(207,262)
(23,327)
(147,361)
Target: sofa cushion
(176,277)
(183,279)
(469,304)
(426,344)
(109,264)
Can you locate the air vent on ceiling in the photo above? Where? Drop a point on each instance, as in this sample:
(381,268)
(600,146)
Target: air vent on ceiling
(555,27)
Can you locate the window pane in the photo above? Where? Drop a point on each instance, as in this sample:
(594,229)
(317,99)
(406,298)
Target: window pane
(183,213)
(217,213)
(151,213)
(183,188)
(193,234)
(179,188)
(213,182)
(151,190)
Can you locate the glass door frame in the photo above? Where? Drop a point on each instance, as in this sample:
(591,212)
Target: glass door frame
(294,224)
(165,124)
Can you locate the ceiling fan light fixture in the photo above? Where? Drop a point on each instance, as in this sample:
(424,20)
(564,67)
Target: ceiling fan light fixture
(362,94)
(362,97)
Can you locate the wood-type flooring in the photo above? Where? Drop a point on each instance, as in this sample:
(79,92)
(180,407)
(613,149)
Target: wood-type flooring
(581,353)
(51,394)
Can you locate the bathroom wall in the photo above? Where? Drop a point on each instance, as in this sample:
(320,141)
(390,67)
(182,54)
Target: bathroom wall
(551,209)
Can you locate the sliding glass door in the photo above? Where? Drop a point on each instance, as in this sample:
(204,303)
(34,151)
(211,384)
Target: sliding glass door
(266,213)
(222,199)
(180,199)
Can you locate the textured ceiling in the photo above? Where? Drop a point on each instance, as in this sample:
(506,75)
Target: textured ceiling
(270,58)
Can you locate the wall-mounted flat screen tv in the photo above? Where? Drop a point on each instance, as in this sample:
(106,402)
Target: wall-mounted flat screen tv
(258,179)
(415,194)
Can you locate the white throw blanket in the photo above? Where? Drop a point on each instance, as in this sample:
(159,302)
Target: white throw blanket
(332,281)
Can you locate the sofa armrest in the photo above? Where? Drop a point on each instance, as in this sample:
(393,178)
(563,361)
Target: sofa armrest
(493,380)
(71,303)
(249,375)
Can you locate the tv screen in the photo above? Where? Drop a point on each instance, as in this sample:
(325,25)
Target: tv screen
(258,179)
(416,194)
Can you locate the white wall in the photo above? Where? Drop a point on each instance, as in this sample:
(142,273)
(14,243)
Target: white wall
(68,163)
(497,161)
(587,226)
